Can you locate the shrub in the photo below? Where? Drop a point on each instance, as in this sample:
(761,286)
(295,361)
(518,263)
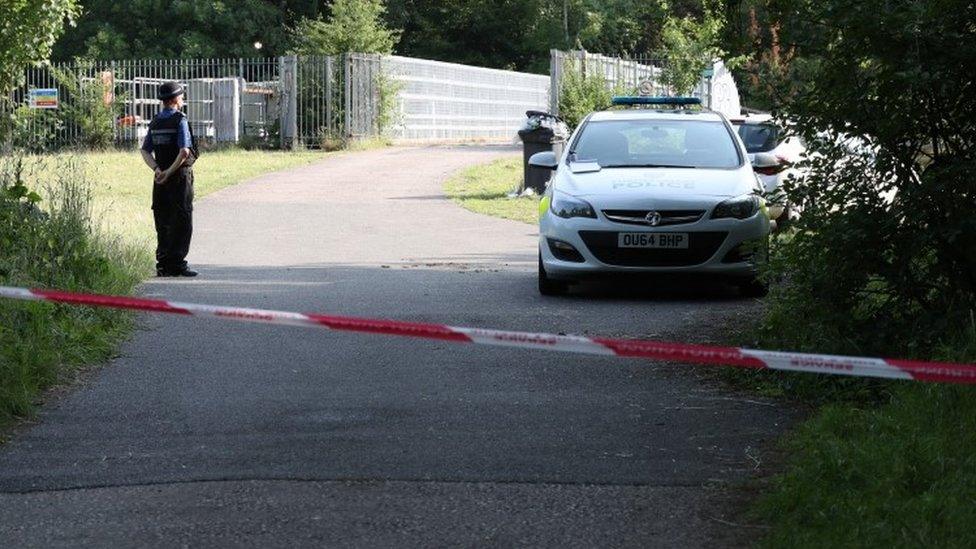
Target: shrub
(582,92)
(882,259)
(388,114)
(55,246)
(86,108)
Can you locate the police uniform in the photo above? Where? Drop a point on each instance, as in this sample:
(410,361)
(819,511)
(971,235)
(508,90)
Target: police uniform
(172,199)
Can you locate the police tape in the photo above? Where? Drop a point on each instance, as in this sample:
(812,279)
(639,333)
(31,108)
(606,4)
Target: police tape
(631,348)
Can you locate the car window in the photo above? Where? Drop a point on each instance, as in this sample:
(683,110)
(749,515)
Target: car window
(759,137)
(664,143)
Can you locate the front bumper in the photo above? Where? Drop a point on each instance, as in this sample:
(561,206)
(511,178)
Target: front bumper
(716,247)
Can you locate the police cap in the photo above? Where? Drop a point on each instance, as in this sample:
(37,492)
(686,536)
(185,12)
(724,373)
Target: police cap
(169,90)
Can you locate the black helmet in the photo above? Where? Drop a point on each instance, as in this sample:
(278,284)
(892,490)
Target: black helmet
(169,90)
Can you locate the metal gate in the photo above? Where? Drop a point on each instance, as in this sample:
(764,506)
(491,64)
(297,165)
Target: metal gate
(109,103)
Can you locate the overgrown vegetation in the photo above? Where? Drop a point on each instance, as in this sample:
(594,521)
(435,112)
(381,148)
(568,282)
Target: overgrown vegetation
(388,114)
(28,31)
(60,230)
(353,26)
(690,44)
(582,91)
(53,243)
(880,263)
(882,258)
(486,189)
(91,106)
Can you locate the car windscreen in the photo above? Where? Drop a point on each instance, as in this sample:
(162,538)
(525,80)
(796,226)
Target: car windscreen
(657,143)
(759,137)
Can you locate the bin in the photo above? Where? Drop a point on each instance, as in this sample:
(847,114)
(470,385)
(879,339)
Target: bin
(541,132)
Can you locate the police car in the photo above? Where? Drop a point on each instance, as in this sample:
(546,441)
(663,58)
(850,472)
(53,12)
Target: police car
(658,185)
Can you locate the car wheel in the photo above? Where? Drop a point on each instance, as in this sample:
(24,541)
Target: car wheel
(548,286)
(753,287)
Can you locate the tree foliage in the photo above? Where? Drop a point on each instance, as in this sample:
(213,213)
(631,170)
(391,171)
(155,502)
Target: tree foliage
(883,92)
(137,29)
(28,29)
(353,26)
(690,44)
(513,34)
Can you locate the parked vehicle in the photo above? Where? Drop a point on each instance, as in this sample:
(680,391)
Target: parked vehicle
(760,134)
(652,190)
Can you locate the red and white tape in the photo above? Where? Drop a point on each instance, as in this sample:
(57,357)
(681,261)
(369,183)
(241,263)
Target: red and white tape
(675,352)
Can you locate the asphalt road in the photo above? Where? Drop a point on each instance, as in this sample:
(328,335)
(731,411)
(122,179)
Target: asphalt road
(214,433)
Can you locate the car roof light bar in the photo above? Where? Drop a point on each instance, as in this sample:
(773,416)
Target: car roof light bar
(642,100)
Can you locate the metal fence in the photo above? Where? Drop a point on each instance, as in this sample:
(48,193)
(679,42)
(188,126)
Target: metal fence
(439,101)
(627,75)
(112,102)
(310,100)
(279,102)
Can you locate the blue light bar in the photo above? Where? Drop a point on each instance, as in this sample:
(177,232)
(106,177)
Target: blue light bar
(640,100)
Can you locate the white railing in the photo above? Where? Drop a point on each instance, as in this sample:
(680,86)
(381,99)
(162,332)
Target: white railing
(450,102)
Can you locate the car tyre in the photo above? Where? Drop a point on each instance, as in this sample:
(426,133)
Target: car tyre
(548,286)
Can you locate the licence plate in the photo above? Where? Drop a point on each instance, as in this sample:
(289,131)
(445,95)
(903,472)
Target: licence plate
(669,241)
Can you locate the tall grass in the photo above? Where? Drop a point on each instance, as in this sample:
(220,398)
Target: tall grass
(881,463)
(54,242)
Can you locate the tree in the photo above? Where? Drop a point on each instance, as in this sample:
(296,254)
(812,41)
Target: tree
(353,26)
(884,253)
(138,29)
(510,34)
(28,29)
(623,27)
(690,44)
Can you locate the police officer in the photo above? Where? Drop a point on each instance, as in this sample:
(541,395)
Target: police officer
(169,151)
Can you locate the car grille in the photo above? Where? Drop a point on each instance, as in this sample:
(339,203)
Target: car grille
(701,247)
(668,217)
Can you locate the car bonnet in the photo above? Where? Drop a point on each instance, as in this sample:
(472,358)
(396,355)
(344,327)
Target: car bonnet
(617,184)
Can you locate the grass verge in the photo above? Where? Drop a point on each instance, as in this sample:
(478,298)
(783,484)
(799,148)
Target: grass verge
(898,474)
(82,222)
(122,185)
(485,188)
(879,463)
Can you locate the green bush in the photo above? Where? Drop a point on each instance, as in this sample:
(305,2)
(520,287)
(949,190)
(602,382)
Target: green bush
(53,243)
(580,93)
(31,130)
(85,108)
(883,255)
(880,263)
(388,114)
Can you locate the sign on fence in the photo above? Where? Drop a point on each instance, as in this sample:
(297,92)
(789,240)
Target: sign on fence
(43,98)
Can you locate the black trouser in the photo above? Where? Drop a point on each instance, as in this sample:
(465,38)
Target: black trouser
(173,215)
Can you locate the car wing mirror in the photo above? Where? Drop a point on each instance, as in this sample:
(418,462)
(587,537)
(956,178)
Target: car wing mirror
(546,160)
(764,160)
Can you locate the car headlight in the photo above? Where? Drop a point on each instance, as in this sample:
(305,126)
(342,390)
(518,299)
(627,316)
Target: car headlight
(566,206)
(740,207)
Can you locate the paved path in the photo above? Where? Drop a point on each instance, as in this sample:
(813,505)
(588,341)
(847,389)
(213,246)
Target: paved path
(215,433)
